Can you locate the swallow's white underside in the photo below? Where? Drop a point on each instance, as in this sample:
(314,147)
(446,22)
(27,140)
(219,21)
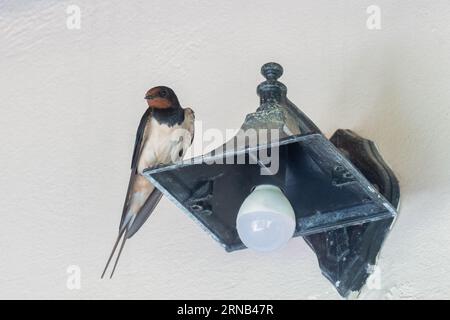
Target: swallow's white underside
(161,145)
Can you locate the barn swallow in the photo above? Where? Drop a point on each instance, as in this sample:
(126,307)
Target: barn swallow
(165,132)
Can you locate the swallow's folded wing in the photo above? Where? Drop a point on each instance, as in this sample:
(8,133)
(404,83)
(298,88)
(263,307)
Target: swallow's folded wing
(134,161)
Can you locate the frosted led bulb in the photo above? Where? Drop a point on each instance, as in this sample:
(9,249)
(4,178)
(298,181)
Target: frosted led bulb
(266,220)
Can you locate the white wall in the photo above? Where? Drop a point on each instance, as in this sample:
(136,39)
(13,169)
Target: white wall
(71,101)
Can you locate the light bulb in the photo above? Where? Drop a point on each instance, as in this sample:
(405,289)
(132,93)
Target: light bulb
(266,220)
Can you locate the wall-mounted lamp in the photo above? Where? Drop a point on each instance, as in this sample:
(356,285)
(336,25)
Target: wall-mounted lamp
(337,194)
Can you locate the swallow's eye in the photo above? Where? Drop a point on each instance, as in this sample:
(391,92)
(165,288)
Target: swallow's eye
(163,93)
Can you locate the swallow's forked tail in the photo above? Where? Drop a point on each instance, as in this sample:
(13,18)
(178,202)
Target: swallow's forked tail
(122,234)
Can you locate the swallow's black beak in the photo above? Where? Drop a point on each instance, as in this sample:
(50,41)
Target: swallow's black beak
(148,97)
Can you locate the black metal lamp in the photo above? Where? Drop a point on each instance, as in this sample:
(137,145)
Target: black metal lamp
(342,195)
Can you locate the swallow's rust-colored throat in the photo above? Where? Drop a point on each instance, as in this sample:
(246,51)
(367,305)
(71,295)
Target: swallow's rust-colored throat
(159,103)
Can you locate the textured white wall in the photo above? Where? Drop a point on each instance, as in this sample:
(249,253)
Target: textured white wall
(71,101)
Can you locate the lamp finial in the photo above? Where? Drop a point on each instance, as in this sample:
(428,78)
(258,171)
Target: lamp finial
(272,71)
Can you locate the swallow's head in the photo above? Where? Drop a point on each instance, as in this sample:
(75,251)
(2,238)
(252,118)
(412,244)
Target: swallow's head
(161,98)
